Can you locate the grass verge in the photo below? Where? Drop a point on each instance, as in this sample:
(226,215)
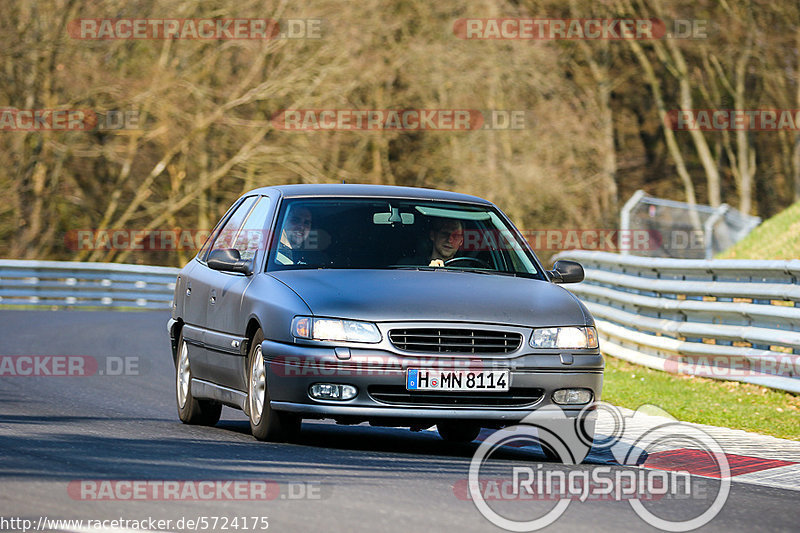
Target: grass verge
(705,401)
(776,238)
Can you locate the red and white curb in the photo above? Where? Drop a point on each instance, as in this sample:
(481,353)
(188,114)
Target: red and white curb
(753,458)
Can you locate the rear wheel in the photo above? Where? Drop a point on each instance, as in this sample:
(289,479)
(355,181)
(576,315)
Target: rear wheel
(458,431)
(190,409)
(265,422)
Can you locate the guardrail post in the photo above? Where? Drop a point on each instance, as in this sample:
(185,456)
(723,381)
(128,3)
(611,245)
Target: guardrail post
(625,214)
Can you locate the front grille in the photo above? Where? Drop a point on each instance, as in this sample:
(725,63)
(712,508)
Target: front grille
(463,341)
(398,395)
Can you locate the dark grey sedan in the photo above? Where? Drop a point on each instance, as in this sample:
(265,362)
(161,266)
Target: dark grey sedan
(391,305)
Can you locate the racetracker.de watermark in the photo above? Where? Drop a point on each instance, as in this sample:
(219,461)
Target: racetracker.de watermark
(69,366)
(193,490)
(733,119)
(372,365)
(13,119)
(199,28)
(471,240)
(556,29)
(162,240)
(736,366)
(400,119)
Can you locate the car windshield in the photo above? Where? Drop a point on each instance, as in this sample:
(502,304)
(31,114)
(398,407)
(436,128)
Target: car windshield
(377,233)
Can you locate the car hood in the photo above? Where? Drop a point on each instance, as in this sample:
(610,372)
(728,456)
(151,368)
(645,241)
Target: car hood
(400,295)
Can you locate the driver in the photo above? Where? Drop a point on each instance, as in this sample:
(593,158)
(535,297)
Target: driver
(293,247)
(447,236)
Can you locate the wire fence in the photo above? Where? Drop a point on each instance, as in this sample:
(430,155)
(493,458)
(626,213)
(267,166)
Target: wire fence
(687,231)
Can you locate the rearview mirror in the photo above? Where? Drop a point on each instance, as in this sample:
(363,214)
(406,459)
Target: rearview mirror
(228,260)
(393,217)
(566,272)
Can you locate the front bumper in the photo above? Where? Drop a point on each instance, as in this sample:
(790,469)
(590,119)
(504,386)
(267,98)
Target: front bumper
(293,368)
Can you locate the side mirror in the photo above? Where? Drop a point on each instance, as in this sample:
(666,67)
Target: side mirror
(228,260)
(566,272)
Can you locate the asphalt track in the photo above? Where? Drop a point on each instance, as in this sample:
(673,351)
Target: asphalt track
(56,432)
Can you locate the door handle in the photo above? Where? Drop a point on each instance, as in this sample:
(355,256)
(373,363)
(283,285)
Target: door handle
(189,291)
(213,297)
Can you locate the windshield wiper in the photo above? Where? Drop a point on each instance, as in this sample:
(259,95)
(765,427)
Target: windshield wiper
(492,272)
(415,267)
(475,271)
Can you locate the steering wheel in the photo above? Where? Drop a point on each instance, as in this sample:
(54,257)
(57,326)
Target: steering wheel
(474,260)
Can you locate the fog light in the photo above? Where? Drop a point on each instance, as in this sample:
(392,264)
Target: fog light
(332,391)
(572,396)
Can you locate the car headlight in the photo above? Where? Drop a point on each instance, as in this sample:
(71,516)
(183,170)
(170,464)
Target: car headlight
(334,329)
(565,337)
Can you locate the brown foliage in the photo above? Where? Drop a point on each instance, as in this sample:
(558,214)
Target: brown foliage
(593,134)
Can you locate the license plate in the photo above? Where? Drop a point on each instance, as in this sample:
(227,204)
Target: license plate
(457,380)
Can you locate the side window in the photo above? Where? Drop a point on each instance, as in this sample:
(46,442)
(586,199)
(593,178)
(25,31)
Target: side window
(253,234)
(230,231)
(211,237)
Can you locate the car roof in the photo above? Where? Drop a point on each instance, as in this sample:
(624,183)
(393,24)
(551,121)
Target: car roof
(349,189)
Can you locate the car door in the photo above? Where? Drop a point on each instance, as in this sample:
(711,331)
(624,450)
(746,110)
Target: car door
(193,285)
(201,287)
(225,335)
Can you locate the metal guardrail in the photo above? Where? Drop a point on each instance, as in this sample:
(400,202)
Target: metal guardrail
(73,284)
(726,319)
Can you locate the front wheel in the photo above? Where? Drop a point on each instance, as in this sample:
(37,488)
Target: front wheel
(265,422)
(190,409)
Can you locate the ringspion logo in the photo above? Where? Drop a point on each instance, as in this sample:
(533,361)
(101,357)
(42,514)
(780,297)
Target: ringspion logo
(567,438)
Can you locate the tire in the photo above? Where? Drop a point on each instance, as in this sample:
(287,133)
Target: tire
(191,410)
(460,431)
(266,424)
